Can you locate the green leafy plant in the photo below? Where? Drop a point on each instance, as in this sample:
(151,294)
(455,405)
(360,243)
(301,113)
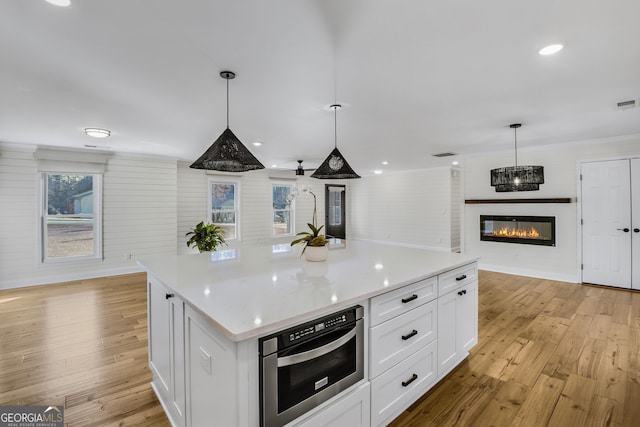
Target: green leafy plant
(206,237)
(312,238)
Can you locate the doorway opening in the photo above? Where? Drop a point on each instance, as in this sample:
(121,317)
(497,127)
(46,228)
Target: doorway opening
(335,210)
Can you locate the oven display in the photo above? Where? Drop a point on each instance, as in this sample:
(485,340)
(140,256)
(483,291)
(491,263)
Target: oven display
(318,327)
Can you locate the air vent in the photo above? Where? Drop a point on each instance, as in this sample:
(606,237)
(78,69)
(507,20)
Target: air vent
(626,104)
(444,154)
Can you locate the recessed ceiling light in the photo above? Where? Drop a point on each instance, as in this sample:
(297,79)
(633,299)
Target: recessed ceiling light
(257,143)
(97,132)
(377,171)
(63,3)
(274,166)
(455,163)
(551,49)
(385,163)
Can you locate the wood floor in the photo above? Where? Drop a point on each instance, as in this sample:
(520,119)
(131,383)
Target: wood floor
(549,354)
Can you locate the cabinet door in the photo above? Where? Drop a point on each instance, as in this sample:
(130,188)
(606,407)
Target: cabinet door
(448,312)
(178,391)
(159,336)
(468,322)
(352,410)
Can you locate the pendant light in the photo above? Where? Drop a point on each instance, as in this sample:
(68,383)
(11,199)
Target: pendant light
(335,166)
(517,178)
(227,153)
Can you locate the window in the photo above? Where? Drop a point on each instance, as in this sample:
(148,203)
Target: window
(223,202)
(282,210)
(335,207)
(71,220)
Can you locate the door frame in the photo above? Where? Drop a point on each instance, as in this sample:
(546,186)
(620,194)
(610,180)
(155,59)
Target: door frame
(578,171)
(327,201)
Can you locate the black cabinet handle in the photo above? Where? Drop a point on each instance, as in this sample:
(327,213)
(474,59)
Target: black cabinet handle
(636,230)
(409,381)
(167,296)
(409,335)
(626,230)
(462,292)
(459,278)
(411,298)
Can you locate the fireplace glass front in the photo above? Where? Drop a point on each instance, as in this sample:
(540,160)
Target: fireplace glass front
(529,230)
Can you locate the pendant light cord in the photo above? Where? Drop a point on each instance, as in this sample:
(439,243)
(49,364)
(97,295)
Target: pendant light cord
(227,103)
(515,138)
(335,127)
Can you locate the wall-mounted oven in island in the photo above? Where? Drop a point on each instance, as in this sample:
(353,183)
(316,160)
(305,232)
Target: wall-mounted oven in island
(308,364)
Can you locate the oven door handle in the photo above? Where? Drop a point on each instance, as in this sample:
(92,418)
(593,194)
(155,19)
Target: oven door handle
(316,352)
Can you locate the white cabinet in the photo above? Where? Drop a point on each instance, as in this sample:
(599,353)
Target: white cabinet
(457,317)
(400,386)
(212,376)
(352,410)
(402,348)
(395,340)
(166,349)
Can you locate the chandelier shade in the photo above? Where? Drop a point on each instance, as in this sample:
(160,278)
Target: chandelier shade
(517,178)
(227,153)
(335,166)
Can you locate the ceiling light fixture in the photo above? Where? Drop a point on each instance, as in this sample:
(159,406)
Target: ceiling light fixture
(551,49)
(227,153)
(517,178)
(63,3)
(335,166)
(97,132)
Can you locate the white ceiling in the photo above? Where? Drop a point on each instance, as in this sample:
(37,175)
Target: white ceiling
(416,77)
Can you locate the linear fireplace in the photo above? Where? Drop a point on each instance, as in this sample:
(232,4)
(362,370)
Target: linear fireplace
(528,230)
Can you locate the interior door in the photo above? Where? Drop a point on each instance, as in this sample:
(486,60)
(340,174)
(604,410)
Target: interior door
(606,216)
(635,223)
(335,210)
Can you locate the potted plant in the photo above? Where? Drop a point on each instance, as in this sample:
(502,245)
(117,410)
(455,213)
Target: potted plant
(206,237)
(315,244)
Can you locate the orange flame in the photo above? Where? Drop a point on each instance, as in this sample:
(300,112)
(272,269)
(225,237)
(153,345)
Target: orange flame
(531,233)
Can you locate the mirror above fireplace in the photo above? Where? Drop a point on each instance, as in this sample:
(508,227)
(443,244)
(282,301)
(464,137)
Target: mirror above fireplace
(528,230)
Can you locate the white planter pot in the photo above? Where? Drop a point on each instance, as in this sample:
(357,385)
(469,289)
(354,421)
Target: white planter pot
(316,253)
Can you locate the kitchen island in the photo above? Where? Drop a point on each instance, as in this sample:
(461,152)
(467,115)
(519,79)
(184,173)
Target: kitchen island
(207,312)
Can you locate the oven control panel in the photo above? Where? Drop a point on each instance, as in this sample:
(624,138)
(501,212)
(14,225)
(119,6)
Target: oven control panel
(309,330)
(318,327)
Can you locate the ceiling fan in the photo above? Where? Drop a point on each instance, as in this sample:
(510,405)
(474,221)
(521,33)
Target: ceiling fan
(300,170)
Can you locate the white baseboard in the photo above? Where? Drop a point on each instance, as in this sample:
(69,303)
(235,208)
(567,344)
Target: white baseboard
(69,277)
(548,275)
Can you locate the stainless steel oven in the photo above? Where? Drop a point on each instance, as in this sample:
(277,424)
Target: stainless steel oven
(304,366)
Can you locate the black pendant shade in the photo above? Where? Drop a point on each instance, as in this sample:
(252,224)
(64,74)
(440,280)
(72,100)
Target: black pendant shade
(335,166)
(227,153)
(517,178)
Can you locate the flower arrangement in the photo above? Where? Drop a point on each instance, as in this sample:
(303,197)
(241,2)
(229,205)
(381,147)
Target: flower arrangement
(312,237)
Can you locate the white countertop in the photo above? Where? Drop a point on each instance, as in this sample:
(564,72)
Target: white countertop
(253,291)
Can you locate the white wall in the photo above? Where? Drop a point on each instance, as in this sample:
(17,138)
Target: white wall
(139,218)
(255,203)
(561,180)
(417,208)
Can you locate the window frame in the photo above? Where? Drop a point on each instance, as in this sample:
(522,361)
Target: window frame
(291,210)
(228,181)
(97,181)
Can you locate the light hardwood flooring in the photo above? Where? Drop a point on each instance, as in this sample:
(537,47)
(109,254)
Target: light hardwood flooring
(549,354)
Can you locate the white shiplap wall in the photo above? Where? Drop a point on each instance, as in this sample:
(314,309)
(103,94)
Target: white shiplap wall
(255,203)
(411,208)
(139,218)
